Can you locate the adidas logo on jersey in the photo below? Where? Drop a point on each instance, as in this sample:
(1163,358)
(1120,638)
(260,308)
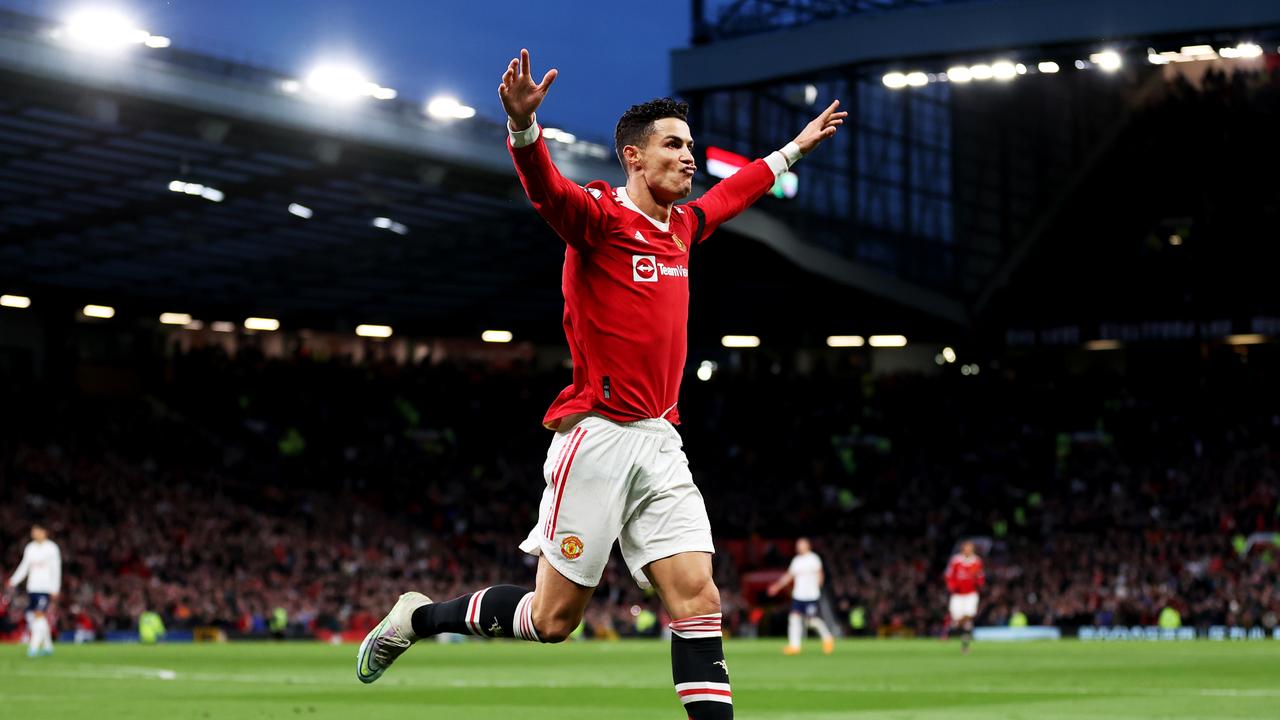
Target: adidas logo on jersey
(641,238)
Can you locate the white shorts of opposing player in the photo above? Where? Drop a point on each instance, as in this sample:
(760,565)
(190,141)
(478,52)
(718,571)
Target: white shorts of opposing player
(610,481)
(964,606)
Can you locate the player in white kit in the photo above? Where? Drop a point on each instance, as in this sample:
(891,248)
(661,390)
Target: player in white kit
(806,572)
(41,567)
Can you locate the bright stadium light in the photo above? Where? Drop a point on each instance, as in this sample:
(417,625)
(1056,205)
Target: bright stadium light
(157,42)
(385,223)
(374,331)
(264,324)
(1108,60)
(1048,67)
(887,341)
(949,354)
(99,311)
(1020,69)
(1247,339)
(19,302)
(959,74)
(559,135)
(981,71)
(175,319)
(1156,58)
(102,30)
(445,107)
(1243,50)
(841,341)
(1003,70)
(301,211)
(212,194)
(496,336)
(740,341)
(917,79)
(343,83)
(1198,52)
(223,326)
(894,80)
(291,86)
(706,369)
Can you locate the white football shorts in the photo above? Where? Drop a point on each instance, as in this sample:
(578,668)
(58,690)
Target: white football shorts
(964,606)
(610,481)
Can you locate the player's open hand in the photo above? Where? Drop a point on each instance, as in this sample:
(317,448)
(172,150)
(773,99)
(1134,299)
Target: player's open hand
(520,95)
(820,128)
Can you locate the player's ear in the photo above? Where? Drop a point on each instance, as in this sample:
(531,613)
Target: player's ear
(632,155)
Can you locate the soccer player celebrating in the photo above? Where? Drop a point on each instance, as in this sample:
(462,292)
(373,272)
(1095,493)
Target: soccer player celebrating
(615,469)
(964,577)
(41,567)
(806,572)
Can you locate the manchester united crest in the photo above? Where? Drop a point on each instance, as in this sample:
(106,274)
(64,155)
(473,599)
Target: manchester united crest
(571,547)
(679,242)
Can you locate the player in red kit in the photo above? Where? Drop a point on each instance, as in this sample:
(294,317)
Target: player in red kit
(616,470)
(964,577)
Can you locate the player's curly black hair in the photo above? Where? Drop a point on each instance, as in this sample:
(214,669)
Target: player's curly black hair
(636,124)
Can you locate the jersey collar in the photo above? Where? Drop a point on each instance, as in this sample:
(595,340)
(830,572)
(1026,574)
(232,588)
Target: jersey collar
(625,199)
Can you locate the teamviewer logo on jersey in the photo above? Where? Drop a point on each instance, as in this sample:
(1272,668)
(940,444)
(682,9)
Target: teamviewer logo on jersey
(644,268)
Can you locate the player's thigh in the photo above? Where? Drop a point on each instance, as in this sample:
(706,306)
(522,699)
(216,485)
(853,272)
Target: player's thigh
(558,602)
(684,583)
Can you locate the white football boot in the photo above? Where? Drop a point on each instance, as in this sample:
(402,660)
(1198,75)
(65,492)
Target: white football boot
(390,638)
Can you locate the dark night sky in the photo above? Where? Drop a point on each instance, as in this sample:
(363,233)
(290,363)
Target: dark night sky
(610,55)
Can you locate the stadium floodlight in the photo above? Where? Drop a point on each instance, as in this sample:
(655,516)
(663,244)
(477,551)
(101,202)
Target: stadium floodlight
(260,323)
(301,211)
(170,318)
(959,74)
(1175,239)
(559,135)
(385,223)
(1198,52)
(384,93)
(949,354)
(887,341)
(342,83)
(706,369)
(894,80)
(290,86)
(104,312)
(19,302)
(917,79)
(102,30)
(157,42)
(1247,339)
(374,331)
(1048,67)
(207,192)
(740,341)
(1102,345)
(223,326)
(1156,58)
(1020,69)
(1003,70)
(496,336)
(981,71)
(841,341)
(1108,60)
(445,107)
(1241,51)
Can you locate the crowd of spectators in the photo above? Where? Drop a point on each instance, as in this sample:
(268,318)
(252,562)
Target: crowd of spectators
(221,488)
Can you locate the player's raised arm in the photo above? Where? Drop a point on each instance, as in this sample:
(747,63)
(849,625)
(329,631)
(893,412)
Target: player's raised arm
(571,210)
(736,193)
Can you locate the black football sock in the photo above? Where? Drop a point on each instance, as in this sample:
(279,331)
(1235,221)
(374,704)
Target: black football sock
(498,611)
(698,668)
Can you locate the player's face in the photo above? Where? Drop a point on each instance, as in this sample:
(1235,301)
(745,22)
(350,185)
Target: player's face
(39,534)
(667,160)
(803,546)
(967,549)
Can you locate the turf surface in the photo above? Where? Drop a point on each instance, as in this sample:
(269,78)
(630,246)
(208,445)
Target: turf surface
(897,680)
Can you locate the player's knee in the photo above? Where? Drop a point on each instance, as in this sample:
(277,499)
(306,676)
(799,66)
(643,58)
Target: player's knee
(555,627)
(705,600)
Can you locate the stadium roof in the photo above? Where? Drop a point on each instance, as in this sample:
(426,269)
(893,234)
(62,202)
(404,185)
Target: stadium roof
(164,180)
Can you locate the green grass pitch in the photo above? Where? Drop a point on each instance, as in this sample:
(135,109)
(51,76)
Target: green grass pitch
(897,680)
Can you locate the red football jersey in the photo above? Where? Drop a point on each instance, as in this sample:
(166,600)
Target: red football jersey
(964,575)
(626,284)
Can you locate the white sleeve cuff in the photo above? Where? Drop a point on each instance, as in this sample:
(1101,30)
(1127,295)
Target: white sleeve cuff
(779,161)
(525,137)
